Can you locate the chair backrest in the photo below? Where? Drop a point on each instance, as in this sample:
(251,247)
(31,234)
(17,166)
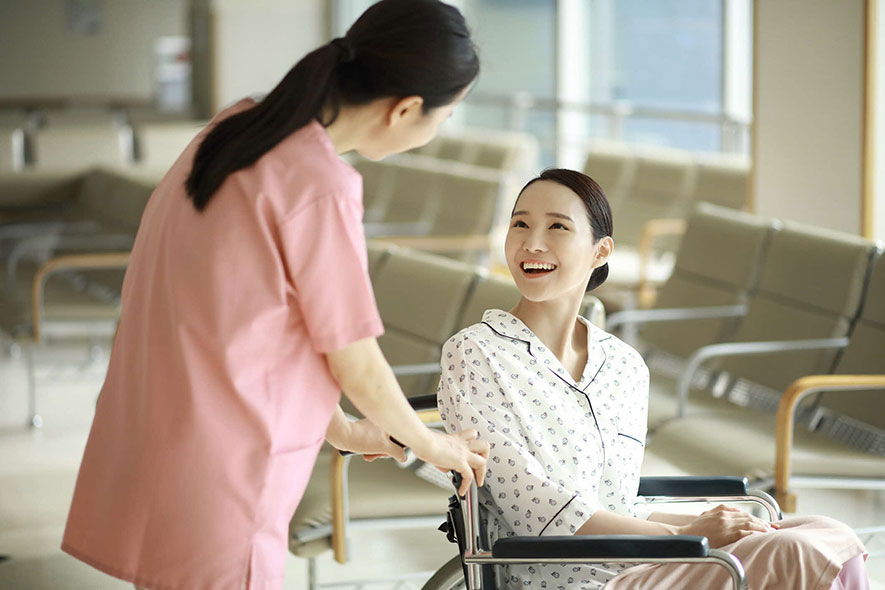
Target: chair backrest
(810,287)
(12,149)
(661,189)
(613,166)
(79,146)
(29,188)
(490,292)
(115,200)
(467,202)
(718,263)
(412,194)
(865,355)
(419,297)
(722,181)
(377,180)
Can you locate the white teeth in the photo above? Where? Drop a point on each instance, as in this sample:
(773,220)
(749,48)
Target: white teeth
(538,266)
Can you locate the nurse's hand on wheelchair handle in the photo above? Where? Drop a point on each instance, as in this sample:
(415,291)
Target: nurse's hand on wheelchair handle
(460,451)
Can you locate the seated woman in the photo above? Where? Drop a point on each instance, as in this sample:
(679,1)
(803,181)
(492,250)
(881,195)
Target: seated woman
(563,405)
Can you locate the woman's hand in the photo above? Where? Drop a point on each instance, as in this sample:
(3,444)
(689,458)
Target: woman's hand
(366,439)
(461,452)
(724,525)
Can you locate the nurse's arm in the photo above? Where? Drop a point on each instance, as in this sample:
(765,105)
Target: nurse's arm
(368,381)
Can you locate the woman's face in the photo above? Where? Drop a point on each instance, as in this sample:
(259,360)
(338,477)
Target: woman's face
(550,248)
(407,126)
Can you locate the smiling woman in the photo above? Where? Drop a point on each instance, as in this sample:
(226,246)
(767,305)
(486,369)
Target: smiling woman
(563,405)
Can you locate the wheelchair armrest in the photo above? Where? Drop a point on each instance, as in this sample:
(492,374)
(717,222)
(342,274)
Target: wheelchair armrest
(423,402)
(693,486)
(610,546)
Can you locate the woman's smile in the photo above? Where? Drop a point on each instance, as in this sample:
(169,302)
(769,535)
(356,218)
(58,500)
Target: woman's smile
(534,269)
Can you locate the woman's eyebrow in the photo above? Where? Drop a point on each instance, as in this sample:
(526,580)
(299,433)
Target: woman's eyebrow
(549,214)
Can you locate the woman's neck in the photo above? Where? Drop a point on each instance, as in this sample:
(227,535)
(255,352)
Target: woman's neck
(556,324)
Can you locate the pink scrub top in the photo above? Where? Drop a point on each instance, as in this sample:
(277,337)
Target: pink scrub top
(218,394)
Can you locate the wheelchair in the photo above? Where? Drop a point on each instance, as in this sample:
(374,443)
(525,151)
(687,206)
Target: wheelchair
(473,567)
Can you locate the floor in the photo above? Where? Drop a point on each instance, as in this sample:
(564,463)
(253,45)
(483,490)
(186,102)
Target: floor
(38,469)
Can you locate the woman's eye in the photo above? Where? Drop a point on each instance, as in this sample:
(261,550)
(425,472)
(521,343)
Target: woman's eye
(519,224)
(558,226)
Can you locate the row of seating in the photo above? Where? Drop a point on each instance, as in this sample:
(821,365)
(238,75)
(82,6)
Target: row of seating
(425,203)
(754,304)
(79,145)
(645,183)
(64,241)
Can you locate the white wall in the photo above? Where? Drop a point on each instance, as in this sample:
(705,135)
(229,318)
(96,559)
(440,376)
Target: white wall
(809,111)
(42,58)
(258,41)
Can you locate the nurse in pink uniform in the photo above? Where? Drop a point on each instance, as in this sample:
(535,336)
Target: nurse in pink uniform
(247,310)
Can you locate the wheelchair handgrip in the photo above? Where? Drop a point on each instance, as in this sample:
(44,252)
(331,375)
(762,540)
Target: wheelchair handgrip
(693,486)
(591,546)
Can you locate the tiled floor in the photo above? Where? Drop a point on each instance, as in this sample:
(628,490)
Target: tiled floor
(38,468)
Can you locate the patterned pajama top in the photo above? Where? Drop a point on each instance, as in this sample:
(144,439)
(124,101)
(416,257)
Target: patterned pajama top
(560,449)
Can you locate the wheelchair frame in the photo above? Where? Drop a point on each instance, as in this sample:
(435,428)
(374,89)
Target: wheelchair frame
(463,527)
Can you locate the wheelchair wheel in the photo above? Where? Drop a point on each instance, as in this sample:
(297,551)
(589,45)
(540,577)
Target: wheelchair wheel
(449,577)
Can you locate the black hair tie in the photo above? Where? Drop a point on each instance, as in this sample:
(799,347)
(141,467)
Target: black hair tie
(346,49)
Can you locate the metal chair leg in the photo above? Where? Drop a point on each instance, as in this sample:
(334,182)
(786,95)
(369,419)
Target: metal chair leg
(35,420)
(312,573)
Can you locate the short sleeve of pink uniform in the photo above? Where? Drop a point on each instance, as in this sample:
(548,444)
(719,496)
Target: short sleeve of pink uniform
(325,255)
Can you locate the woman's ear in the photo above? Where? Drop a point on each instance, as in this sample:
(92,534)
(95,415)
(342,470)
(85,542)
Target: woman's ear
(604,249)
(405,109)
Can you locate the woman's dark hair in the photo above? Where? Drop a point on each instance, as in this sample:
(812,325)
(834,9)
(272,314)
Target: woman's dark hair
(397,48)
(599,211)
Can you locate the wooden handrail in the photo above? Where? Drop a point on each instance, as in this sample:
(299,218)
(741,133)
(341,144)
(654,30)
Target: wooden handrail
(337,481)
(439,243)
(651,231)
(81,261)
(786,418)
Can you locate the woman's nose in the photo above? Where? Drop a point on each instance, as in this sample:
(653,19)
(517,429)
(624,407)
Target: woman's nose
(534,242)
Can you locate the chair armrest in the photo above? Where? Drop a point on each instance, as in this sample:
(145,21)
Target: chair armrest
(653,230)
(416,369)
(692,485)
(603,547)
(727,349)
(786,415)
(440,243)
(673,314)
(425,405)
(79,261)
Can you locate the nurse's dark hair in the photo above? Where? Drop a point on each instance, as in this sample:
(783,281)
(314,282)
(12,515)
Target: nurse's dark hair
(397,48)
(599,211)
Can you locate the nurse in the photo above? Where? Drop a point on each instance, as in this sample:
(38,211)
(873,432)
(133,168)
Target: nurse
(247,309)
(564,405)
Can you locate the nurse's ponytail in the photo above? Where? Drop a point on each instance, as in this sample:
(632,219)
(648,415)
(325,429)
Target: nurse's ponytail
(397,48)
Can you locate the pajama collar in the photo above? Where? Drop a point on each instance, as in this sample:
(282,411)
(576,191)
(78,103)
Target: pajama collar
(507,325)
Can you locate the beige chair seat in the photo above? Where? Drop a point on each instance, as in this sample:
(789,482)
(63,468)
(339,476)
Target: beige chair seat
(371,497)
(740,441)
(663,404)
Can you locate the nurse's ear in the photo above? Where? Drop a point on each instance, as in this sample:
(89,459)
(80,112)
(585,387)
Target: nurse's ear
(604,248)
(405,110)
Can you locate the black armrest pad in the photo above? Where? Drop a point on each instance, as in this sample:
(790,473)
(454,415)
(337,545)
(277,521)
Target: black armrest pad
(693,486)
(615,546)
(423,402)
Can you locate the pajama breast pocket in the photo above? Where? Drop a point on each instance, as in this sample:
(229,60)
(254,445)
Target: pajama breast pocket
(630,449)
